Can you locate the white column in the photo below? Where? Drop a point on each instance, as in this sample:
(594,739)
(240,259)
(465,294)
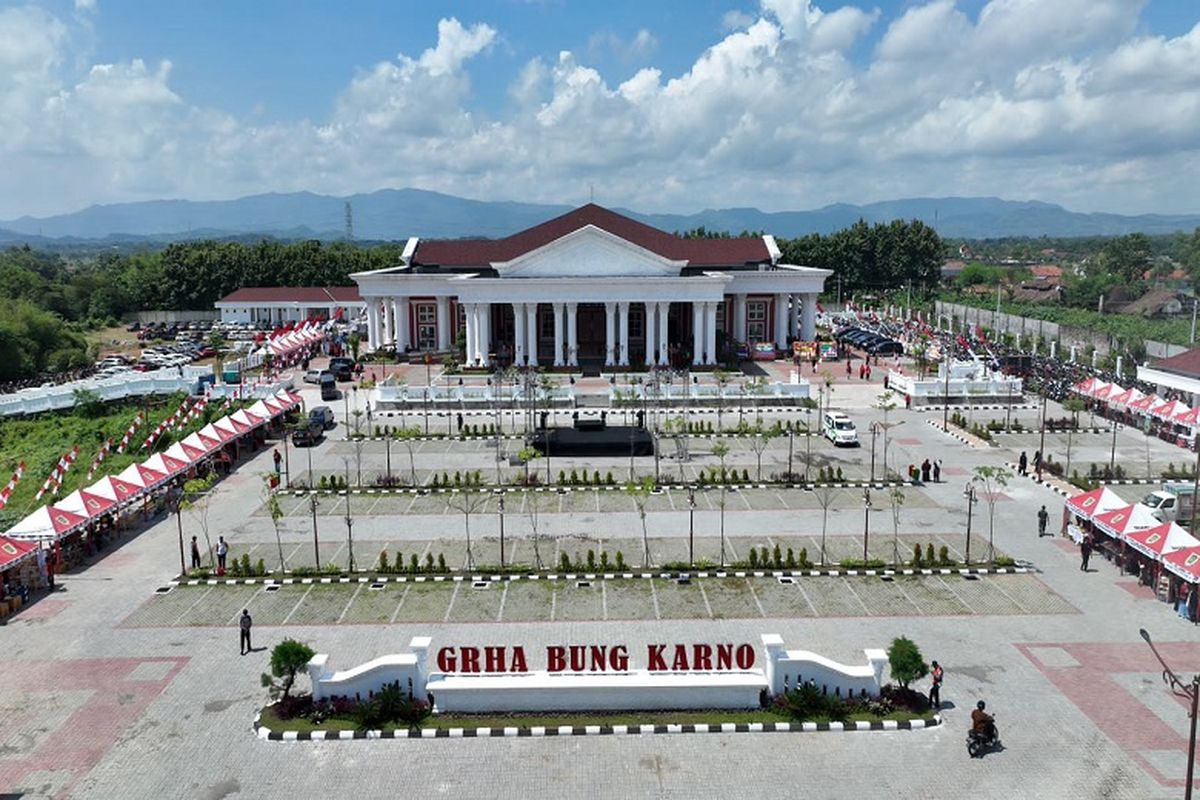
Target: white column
(808,317)
(372,324)
(661,340)
(519,334)
(623,320)
(611,348)
(572,336)
(443,323)
(386,316)
(403,324)
(651,329)
(698,339)
(780,321)
(739,317)
(484,320)
(471,351)
(531,331)
(794,316)
(710,332)
(558,334)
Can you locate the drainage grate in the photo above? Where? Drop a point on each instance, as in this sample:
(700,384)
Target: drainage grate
(375,587)
(886,578)
(786,580)
(163,589)
(481,584)
(583,584)
(274,587)
(684,580)
(971,577)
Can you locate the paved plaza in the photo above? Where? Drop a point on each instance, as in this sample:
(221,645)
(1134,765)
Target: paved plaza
(115,690)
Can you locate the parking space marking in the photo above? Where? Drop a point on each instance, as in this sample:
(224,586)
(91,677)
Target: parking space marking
(203,595)
(654,597)
(604,599)
(453,597)
(704,596)
(503,597)
(957,596)
(403,596)
(804,594)
(349,603)
(299,602)
(850,586)
(761,611)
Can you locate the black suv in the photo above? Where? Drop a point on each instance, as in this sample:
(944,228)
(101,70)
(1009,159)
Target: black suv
(308,435)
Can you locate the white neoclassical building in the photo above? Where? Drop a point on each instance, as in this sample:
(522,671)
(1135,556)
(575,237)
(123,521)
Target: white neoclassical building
(590,286)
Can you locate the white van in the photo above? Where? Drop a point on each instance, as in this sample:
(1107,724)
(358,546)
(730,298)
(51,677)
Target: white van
(838,429)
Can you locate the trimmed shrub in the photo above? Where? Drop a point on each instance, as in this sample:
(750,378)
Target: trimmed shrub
(620,561)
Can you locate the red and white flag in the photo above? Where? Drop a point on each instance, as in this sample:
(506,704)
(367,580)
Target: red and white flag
(7,491)
(54,482)
(128,437)
(99,459)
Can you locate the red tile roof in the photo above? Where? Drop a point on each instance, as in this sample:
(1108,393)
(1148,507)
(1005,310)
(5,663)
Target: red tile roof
(1046,271)
(1186,363)
(697,252)
(316,295)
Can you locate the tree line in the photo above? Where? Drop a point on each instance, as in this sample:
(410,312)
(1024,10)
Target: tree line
(879,257)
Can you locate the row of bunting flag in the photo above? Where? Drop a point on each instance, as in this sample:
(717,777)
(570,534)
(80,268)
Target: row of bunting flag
(57,474)
(12,484)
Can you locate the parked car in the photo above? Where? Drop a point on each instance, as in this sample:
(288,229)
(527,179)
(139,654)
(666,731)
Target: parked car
(314,375)
(307,435)
(342,368)
(839,429)
(322,415)
(329,390)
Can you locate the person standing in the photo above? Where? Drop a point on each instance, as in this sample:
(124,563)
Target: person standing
(195,554)
(278,461)
(1037,463)
(925,467)
(937,471)
(848,373)
(1085,552)
(244,624)
(935,689)
(1043,518)
(1022,464)
(222,551)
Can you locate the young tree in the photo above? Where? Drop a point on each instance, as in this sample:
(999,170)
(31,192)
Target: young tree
(467,501)
(535,503)
(759,442)
(272,502)
(885,403)
(904,658)
(720,450)
(287,658)
(992,480)
(408,437)
(526,455)
(896,496)
(722,379)
(1073,405)
(825,494)
(196,499)
(640,492)
(355,342)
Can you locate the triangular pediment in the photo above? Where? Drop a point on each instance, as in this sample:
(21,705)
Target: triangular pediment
(589,252)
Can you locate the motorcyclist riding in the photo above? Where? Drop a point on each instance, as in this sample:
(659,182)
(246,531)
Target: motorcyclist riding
(982,722)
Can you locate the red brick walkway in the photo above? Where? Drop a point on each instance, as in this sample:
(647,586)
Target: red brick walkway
(103,698)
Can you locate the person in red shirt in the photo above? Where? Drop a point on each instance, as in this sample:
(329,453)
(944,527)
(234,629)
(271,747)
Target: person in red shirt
(935,690)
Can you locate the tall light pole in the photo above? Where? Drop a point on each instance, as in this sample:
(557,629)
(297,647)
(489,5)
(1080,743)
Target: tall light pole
(969,493)
(1188,692)
(312,506)
(1042,440)
(691,525)
(1112,456)
(791,442)
(866,522)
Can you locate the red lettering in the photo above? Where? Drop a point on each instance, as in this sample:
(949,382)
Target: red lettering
(493,659)
(556,658)
(745,656)
(598,661)
(702,657)
(470,659)
(518,660)
(654,658)
(445,659)
(618,658)
(680,662)
(724,656)
(578,657)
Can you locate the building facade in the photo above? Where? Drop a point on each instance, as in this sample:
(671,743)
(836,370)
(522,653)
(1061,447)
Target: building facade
(589,286)
(279,304)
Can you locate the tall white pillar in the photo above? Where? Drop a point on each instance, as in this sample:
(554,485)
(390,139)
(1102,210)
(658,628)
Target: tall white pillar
(781,322)
(372,324)
(739,317)
(572,336)
(794,315)
(519,334)
(484,321)
(808,317)
(386,316)
(698,340)
(443,323)
(403,326)
(664,349)
(623,320)
(611,348)
(711,332)
(531,331)
(651,329)
(558,334)
(471,351)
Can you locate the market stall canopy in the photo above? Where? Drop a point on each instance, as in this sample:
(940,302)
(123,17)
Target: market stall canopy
(1168,409)
(1145,404)
(231,426)
(212,432)
(1085,387)
(188,454)
(1124,521)
(1165,538)
(1102,391)
(1126,397)
(142,476)
(288,399)
(262,411)
(1190,417)
(13,552)
(86,504)
(1097,501)
(48,522)
(115,489)
(250,421)
(201,444)
(167,465)
(1184,562)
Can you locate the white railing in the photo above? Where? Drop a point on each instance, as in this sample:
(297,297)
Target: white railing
(134,384)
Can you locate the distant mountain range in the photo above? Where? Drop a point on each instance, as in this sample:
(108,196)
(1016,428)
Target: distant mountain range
(393,214)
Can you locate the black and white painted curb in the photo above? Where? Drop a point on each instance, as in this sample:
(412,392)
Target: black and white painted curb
(1001,407)
(416,408)
(267,734)
(608,576)
(952,432)
(733,487)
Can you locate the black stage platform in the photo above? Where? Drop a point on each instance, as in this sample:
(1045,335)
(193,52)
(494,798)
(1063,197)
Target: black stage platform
(607,441)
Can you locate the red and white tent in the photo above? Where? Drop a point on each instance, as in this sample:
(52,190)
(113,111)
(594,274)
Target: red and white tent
(1102,391)
(115,489)
(201,444)
(1168,409)
(1121,522)
(186,451)
(243,417)
(263,411)
(86,504)
(1125,398)
(166,464)
(212,432)
(1145,404)
(288,399)
(232,426)
(1190,417)
(14,551)
(48,522)
(1184,562)
(1097,501)
(1085,387)
(143,476)
(1162,539)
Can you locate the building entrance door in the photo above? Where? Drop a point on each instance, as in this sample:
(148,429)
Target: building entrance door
(589,330)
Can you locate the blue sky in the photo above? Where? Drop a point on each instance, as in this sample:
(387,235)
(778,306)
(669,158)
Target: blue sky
(675,106)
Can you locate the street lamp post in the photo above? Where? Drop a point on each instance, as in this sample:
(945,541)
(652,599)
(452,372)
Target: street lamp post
(791,442)
(969,493)
(501,531)
(312,506)
(1112,456)
(1042,440)
(1188,692)
(691,525)
(866,522)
